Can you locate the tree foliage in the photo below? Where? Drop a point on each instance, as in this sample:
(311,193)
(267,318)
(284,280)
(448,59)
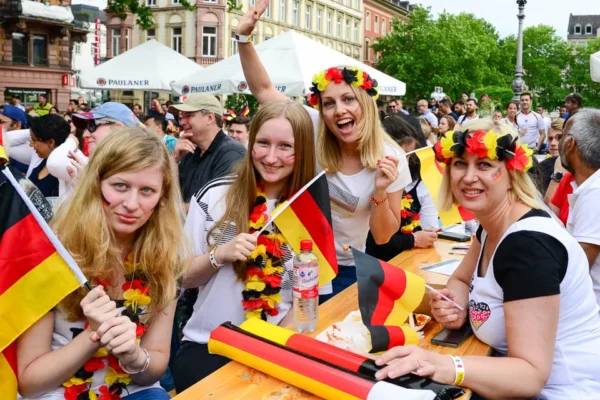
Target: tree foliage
(142,12)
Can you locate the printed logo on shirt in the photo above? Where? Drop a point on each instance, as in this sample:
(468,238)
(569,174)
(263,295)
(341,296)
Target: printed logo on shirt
(478,313)
(342,202)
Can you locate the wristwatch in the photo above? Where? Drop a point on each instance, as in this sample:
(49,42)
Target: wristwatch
(243,38)
(556,176)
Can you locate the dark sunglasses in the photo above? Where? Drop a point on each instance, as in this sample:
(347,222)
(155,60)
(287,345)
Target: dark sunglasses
(93,125)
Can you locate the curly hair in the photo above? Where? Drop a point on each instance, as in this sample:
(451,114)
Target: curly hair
(50,127)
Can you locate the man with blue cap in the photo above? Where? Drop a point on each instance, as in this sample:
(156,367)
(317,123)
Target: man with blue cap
(66,160)
(13,118)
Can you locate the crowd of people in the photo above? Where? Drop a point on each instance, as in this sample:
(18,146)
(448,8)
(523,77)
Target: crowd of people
(162,212)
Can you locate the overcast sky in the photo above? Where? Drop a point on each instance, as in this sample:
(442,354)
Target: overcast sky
(503,13)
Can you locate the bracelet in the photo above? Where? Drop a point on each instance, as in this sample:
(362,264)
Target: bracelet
(378,202)
(213,259)
(459,368)
(144,368)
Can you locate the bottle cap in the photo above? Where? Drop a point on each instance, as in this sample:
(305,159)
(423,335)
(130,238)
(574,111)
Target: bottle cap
(306,245)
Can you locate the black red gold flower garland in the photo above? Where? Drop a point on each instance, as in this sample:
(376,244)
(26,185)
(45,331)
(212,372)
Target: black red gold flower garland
(410,219)
(136,297)
(352,76)
(264,267)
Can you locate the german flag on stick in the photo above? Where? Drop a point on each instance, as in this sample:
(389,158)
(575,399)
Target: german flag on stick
(3,158)
(386,296)
(307,215)
(432,173)
(301,370)
(36,272)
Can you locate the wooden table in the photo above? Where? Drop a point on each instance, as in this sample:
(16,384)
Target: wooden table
(236,381)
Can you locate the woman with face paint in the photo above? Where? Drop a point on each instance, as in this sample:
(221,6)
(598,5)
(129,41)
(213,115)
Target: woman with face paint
(123,225)
(241,274)
(524,284)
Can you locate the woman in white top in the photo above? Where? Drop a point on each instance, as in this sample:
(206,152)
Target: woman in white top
(123,226)
(241,274)
(524,284)
(512,109)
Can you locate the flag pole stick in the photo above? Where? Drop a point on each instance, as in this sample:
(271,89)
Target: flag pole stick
(290,201)
(419,149)
(445,297)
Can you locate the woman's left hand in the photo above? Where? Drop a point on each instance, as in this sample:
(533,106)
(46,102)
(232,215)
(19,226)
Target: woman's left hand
(387,173)
(403,360)
(117,335)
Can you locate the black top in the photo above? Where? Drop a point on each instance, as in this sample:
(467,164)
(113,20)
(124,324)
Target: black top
(47,185)
(529,264)
(196,169)
(545,170)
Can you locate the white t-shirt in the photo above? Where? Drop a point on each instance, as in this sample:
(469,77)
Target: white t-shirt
(463,120)
(65,332)
(584,220)
(220,299)
(351,207)
(536,257)
(533,123)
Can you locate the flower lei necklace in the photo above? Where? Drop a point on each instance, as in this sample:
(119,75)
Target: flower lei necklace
(352,76)
(264,268)
(136,299)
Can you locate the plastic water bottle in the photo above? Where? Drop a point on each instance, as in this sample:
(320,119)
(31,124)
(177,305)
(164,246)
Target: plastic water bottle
(306,288)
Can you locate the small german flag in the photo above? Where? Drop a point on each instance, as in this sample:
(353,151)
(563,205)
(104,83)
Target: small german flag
(432,173)
(245,111)
(386,296)
(308,216)
(3,158)
(36,272)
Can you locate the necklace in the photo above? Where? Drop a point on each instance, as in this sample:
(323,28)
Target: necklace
(136,299)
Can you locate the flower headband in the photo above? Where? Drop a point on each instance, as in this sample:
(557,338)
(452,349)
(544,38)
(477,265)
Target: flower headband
(352,76)
(484,144)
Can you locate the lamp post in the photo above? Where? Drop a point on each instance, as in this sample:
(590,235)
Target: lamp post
(518,84)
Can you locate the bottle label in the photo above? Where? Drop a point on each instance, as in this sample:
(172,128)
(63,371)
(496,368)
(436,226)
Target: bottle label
(306,282)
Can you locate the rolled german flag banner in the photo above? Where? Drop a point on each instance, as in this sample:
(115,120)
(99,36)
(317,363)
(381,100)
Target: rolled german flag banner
(386,296)
(303,371)
(342,358)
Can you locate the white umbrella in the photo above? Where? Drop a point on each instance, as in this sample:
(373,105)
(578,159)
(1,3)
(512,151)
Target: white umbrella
(149,66)
(595,66)
(291,60)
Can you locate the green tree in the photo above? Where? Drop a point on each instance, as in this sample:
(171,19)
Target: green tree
(577,76)
(142,12)
(456,52)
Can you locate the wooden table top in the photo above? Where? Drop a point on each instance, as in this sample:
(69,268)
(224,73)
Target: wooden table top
(236,381)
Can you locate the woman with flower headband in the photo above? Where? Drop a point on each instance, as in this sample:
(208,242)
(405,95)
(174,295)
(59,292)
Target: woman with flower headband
(123,226)
(240,273)
(524,284)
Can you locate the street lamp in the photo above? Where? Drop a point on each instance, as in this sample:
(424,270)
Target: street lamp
(518,84)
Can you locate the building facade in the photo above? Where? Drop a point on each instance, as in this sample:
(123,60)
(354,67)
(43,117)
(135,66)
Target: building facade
(583,28)
(35,55)
(378,18)
(337,24)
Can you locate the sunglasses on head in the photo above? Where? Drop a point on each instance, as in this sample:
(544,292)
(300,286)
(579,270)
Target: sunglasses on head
(93,124)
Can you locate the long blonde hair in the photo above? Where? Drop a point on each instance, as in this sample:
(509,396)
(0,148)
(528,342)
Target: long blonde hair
(242,193)
(82,227)
(371,136)
(522,189)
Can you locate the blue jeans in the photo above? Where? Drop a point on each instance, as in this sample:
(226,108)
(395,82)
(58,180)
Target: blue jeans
(149,394)
(346,277)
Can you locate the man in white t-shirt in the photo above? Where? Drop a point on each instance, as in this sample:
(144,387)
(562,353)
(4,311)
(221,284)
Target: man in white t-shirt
(580,154)
(471,114)
(531,124)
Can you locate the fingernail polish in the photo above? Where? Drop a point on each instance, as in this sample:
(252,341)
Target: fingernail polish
(387,157)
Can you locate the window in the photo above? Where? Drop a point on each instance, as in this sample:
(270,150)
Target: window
(176,1)
(209,41)
(268,11)
(252,3)
(383,26)
(349,3)
(356,31)
(319,20)
(234,43)
(307,16)
(588,29)
(356,4)
(210,1)
(367,44)
(368,22)
(282,10)
(116,42)
(150,34)
(126,39)
(376,24)
(296,5)
(338,29)
(150,3)
(20,45)
(577,28)
(329,23)
(40,53)
(77,48)
(176,40)
(348,29)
